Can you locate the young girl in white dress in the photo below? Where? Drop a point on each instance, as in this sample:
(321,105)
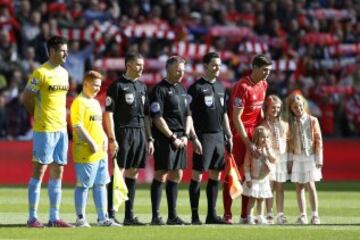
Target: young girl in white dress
(306,154)
(257,173)
(279,136)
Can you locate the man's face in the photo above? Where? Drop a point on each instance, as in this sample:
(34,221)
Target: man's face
(176,72)
(135,68)
(213,68)
(58,55)
(263,72)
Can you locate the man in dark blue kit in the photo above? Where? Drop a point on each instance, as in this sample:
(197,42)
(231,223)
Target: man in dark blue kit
(209,102)
(128,127)
(172,122)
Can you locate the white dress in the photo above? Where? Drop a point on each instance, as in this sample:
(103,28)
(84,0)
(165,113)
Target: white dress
(304,169)
(279,172)
(260,187)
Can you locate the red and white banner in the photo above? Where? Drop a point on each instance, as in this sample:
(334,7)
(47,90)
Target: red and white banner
(253,47)
(331,14)
(233,32)
(319,38)
(149,31)
(345,49)
(191,50)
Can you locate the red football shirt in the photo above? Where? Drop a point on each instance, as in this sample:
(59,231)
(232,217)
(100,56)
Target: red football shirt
(251,96)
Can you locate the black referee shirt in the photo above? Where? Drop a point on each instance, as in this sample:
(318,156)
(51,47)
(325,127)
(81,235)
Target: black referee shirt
(171,102)
(128,100)
(208,105)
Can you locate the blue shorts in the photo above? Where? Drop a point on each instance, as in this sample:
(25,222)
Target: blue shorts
(49,147)
(88,174)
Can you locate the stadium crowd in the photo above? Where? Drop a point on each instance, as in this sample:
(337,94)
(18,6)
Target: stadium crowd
(315,46)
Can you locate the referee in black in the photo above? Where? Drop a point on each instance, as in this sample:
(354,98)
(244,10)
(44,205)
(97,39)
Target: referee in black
(211,123)
(127,124)
(172,122)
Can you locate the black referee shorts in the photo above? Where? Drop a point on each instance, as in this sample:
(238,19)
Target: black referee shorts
(132,148)
(166,156)
(213,153)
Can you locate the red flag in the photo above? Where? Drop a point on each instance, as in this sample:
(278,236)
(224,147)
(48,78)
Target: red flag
(233,177)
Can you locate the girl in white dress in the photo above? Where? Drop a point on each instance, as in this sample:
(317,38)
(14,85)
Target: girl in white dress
(279,136)
(257,173)
(306,154)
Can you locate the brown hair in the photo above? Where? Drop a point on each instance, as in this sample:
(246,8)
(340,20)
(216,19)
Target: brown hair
(261,60)
(92,76)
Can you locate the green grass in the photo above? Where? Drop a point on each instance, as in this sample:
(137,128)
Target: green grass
(339,210)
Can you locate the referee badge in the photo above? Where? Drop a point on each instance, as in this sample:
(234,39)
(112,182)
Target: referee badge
(108,101)
(222,101)
(208,100)
(129,98)
(155,107)
(238,102)
(143,99)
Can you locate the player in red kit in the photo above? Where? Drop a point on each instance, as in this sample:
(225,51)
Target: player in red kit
(245,113)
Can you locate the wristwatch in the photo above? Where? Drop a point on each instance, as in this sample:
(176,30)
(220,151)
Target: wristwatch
(150,139)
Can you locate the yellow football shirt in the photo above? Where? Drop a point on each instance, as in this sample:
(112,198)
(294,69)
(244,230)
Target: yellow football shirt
(50,85)
(87,113)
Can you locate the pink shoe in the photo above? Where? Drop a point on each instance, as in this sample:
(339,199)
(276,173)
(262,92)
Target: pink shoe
(59,223)
(34,223)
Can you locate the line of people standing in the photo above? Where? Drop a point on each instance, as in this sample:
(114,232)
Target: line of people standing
(162,123)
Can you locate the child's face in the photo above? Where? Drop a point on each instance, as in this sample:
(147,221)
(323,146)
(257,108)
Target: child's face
(297,108)
(92,87)
(273,110)
(263,140)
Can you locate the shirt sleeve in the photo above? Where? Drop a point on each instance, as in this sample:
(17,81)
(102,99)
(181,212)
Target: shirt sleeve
(35,82)
(188,102)
(77,112)
(111,98)
(157,100)
(239,94)
(226,99)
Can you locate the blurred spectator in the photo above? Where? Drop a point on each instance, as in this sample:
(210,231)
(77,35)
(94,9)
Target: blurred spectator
(352,109)
(17,122)
(28,63)
(8,54)
(13,89)
(31,29)
(75,62)
(3,127)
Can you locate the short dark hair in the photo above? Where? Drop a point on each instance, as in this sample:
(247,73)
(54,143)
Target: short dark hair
(131,56)
(209,56)
(174,59)
(261,60)
(55,42)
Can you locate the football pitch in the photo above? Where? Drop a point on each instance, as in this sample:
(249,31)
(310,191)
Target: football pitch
(339,209)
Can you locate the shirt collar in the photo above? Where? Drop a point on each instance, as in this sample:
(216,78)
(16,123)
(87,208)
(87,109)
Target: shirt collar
(207,80)
(129,79)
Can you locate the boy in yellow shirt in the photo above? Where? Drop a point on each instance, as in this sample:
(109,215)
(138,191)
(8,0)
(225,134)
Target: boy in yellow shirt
(90,151)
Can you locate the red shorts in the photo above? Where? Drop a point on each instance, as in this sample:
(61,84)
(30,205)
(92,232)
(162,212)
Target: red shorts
(239,149)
